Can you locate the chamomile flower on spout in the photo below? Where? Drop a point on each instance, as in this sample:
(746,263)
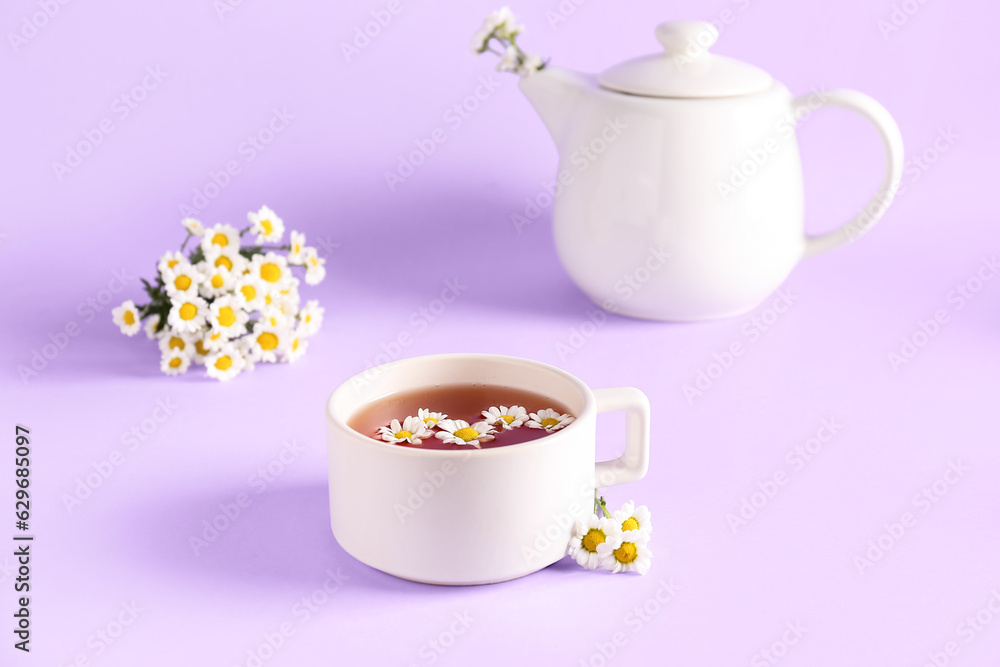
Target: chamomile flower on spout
(588,536)
(193,227)
(549,419)
(459,432)
(412,430)
(187,314)
(505,418)
(502,27)
(630,554)
(220,236)
(430,418)
(126,316)
(268,227)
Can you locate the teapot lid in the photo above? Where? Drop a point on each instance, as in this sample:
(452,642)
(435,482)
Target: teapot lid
(685,68)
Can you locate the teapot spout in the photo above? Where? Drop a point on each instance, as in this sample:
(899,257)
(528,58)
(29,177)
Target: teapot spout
(555,93)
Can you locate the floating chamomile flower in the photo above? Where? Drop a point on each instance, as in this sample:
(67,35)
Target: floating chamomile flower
(218,281)
(187,314)
(126,316)
(412,430)
(311,317)
(251,292)
(229,258)
(505,418)
(269,342)
(588,536)
(268,227)
(220,236)
(169,261)
(226,363)
(549,419)
(315,271)
(297,246)
(272,269)
(227,317)
(182,280)
(459,432)
(193,227)
(174,362)
(428,417)
(629,553)
(175,340)
(630,517)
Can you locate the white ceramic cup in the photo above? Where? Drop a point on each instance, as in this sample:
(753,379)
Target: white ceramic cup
(473,516)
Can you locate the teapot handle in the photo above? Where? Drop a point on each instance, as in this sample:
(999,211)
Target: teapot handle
(892,141)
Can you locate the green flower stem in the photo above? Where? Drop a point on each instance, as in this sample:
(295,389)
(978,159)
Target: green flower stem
(186,239)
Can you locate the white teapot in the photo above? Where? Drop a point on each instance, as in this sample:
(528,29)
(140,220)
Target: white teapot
(679,192)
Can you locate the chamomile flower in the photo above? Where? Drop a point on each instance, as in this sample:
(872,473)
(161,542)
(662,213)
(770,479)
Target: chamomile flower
(213,340)
(265,223)
(315,271)
(412,430)
(182,280)
(199,351)
(251,292)
(311,317)
(218,281)
(220,236)
(193,227)
(169,261)
(225,364)
(588,536)
(176,341)
(152,322)
(297,347)
(226,316)
(549,419)
(174,362)
(187,314)
(501,24)
(459,432)
(228,258)
(273,316)
(505,418)
(269,342)
(630,517)
(630,553)
(126,316)
(297,243)
(245,346)
(428,417)
(272,269)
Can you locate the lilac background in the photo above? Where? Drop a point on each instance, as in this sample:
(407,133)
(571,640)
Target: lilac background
(389,255)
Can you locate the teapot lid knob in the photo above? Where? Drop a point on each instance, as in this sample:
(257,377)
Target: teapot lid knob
(692,38)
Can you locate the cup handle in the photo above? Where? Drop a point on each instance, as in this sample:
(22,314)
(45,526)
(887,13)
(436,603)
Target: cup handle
(892,141)
(633,464)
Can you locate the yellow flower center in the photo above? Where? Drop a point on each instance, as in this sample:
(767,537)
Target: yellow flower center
(626,553)
(200,347)
(270,272)
(175,362)
(217,280)
(176,342)
(216,336)
(507,418)
(182,282)
(223,363)
(467,434)
(296,248)
(430,421)
(249,292)
(224,261)
(402,435)
(129,318)
(295,345)
(315,262)
(226,316)
(171,263)
(267,227)
(188,311)
(309,319)
(220,240)
(267,299)
(267,340)
(549,421)
(593,538)
(630,524)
